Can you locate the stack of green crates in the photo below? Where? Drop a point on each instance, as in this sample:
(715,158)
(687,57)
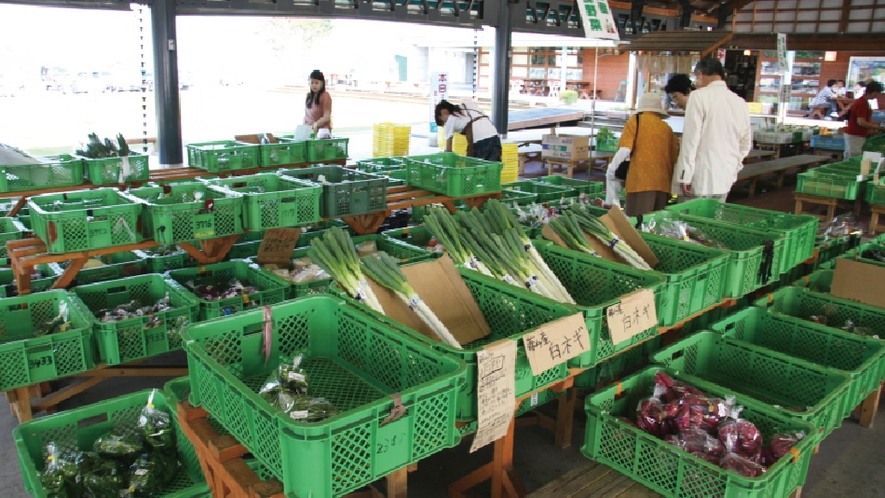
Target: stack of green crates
(449,174)
(283,152)
(875,192)
(164,258)
(52,171)
(346,192)
(48,274)
(837,180)
(112,170)
(672,471)
(85,219)
(581,186)
(544,192)
(114,265)
(352,360)
(274,201)
(10,229)
(271,289)
(134,338)
(393,168)
(189,211)
(76,430)
(27,358)
(222,156)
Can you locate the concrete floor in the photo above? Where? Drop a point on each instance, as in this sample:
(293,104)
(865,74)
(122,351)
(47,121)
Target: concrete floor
(849,462)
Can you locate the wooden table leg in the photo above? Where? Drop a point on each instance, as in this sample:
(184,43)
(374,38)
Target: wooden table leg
(570,173)
(752,187)
(780,179)
(20,403)
(831,211)
(396,484)
(874,222)
(549,168)
(565,418)
(522,160)
(857,205)
(869,408)
(798,208)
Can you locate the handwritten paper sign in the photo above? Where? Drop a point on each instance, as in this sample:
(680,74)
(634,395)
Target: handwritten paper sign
(635,314)
(496,391)
(556,342)
(277,246)
(782,51)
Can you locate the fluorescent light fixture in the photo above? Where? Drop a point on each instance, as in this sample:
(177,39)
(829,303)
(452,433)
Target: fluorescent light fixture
(830,56)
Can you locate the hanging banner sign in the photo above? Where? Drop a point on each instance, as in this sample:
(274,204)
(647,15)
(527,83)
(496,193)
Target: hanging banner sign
(598,21)
(439,90)
(782,51)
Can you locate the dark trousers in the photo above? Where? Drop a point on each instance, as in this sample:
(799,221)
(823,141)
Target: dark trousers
(488,149)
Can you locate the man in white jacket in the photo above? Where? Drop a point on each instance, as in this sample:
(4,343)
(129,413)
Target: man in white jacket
(716,137)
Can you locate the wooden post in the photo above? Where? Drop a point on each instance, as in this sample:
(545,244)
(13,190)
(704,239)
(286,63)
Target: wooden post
(565,418)
(869,408)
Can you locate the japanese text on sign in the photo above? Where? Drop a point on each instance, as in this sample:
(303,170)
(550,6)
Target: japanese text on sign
(496,391)
(556,342)
(598,21)
(635,314)
(277,246)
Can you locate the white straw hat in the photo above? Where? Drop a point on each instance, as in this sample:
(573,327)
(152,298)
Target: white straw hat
(650,102)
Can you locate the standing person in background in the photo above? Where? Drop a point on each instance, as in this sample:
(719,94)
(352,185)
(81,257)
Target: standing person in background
(859,89)
(651,163)
(860,121)
(483,141)
(678,89)
(318,105)
(716,137)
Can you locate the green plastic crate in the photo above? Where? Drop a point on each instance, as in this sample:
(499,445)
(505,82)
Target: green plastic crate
(85,219)
(173,214)
(673,472)
(273,201)
(10,229)
(798,230)
(77,429)
(614,368)
(453,175)
(595,284)
(754,255)
(346,192)
(545,192)
(406,253)
(856,254)
(128,340)
(535,400)
(53,171)
(518,197)
(25,359)
(828,184)
(510,313)
(830,247)
(874,144)
(381,164)
(354,361)
(221,156)
(157,263)
(271,289)
(327,150)
(874,193)
(861,359)
(819,281)
(416,236)
(790,386)
(9,287)
(116,265)
(282,153)
(581,186)
(804,303)
(607,145)
(109,170)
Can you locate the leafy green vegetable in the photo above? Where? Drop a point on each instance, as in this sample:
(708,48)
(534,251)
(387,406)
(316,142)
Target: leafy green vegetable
(119,445)
(151,472)
(156,427)
(97,148)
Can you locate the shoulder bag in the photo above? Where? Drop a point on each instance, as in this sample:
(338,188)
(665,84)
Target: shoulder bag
(621,172)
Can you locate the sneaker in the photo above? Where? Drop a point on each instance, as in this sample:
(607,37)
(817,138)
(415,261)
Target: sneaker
(828,118)
(834,114)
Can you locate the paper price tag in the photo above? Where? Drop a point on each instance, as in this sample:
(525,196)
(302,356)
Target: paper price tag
(496,391)
(556,342)
(277,246)
(635,314)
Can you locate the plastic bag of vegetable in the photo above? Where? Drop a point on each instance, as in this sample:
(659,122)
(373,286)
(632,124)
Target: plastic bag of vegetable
(156,427)
(101,478)
(59,474)
(780,445)
(151,472)
(694,440)
(741,465)
(293,377)
(668,389)
(741,436)
(119,445)
(652,417)
(700,412)
(57,324)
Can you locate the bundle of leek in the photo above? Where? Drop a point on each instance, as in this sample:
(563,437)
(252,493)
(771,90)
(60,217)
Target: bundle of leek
(334,253)
(383,270)
(446,230)
(595,227)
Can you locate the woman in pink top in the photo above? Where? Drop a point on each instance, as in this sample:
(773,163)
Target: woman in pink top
(318,105)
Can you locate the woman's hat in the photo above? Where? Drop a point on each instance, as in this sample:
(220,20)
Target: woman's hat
(650,102)
(316,74)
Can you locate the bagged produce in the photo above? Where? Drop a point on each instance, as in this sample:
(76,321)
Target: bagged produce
(156,427)
(58,474)
(57,324)
(212,293)
(741,436)
(781,444)
(682,230)
(670,390)
(287,390)
(741,465)
(151,472)
(694,440)
(119,445)
(695,411)
(651,417)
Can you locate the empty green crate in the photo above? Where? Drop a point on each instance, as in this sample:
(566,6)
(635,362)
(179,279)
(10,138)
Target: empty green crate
(819,281)
(861,359)
(754,255)
(792,387)
(189,211)
(381,164)
(346,192)
(453,175)
(9,287)
(515,196)
(10,229)
(116,265)
(354,361)
(27,359)
(163,262)
(544,192)
(581,186)
(673,472)
(535,400)
(874,192)
(271,289)
(85,219)
(607,145)
(132,339)
(326,150)
(52,171)
(110,170)
(77,429)
(830,247)
(828,184)
(221,156)
(613,368)
(856,254)
(282,153)
(804,303)
(510,313)
(595,284)
(799,230)
(273,201)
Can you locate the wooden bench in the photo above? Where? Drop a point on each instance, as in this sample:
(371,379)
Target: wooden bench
(571,164)
(753,172)
(593,480)
(759,154)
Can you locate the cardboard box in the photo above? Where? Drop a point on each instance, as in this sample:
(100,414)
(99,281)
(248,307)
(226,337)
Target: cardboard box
(620,225)
(565,147)
(861,282)
(440,285)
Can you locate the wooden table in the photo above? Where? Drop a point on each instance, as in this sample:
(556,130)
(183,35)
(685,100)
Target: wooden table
(753,172)
(526,152)
(571,164)
(759,154)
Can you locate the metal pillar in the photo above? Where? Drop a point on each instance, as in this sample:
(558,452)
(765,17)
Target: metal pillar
(169,143)
(501,92)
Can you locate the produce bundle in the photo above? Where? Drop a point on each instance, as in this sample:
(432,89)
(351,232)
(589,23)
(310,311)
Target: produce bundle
(493,243)
(709,428)
(334,252)
(120,463)
(575,222)
(874,254)
(134,309)
(97,148)
(302,271)
(682,230)
(57,324)
(840,226)
(235,287)
(288,390)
